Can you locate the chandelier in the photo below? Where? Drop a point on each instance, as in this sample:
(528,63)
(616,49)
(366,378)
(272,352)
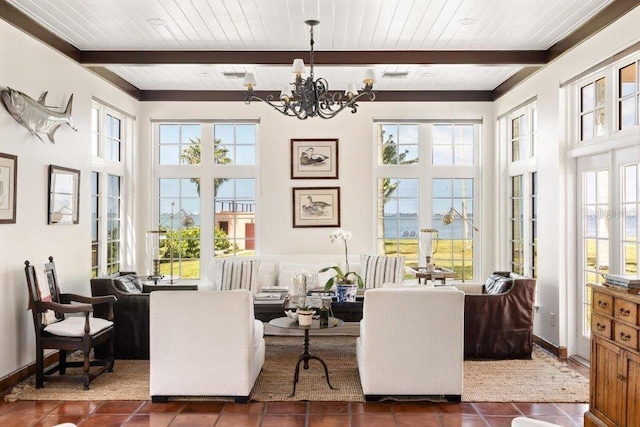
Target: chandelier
(310,98)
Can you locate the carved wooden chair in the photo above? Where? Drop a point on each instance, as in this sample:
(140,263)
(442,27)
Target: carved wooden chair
(55,330)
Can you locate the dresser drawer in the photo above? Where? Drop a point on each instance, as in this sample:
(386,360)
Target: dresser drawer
(626,336)
(626,311)
(601,326)
(603,303)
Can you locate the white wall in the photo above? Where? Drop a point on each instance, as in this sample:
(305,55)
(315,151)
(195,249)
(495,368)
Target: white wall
(556,294)
(32,68)
(355,133)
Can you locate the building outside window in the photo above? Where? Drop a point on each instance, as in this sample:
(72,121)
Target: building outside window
(419,170)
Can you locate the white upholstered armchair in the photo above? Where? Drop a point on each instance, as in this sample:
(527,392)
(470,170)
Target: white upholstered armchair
(204,343)
(411,342)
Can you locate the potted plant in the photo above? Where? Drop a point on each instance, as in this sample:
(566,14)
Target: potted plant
(347,283)
(305,314)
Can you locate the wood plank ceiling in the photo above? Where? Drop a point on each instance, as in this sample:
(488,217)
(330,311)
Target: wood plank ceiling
(443,49)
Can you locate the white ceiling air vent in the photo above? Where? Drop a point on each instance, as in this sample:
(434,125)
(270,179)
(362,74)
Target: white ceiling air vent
(234,75)
(395,74)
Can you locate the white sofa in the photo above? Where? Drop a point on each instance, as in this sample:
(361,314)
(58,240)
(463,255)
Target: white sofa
(411,342)
(204,344)
(278,270)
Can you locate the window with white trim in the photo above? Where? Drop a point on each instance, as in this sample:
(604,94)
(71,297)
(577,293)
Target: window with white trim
(207,170)
(428,166)
(111,135)
(520,143)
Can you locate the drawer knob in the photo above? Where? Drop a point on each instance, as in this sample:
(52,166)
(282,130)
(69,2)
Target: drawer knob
(625,337)
(602,304)
(624,312)
(600,326)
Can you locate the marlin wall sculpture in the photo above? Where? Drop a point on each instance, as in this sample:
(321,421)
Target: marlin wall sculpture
(34,115)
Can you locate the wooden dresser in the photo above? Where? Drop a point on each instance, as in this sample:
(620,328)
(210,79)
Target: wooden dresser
(614,397)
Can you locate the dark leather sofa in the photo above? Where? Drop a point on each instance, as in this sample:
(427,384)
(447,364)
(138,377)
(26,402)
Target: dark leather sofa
(499,324)
(131,317)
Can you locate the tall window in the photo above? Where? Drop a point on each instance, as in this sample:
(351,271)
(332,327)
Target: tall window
(179,227)
(517,225)
(109,132)
(628,97)
(455,241)
(520,142)
(592,110)
(207,170)
(95,224)
(533,218)
(427,166)
(114,223)
(595,232)
(398,217)
(629,215)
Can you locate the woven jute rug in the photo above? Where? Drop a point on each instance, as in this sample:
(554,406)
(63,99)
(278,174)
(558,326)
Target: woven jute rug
(541,379)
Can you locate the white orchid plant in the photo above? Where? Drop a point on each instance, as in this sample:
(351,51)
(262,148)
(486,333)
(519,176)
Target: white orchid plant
(349,277)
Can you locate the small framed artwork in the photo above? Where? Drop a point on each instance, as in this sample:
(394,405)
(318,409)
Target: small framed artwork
(64,195)
(314,159)
(8,188)
(316,207)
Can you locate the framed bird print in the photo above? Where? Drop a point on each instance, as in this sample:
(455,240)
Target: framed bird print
(314,159)
(316,207)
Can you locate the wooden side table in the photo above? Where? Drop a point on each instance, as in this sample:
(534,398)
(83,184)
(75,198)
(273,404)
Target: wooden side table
(440,273)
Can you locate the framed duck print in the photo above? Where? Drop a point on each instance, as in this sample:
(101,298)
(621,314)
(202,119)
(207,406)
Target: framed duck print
(314,159)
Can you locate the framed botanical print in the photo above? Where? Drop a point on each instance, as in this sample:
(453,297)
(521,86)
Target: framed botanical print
(314,159)
(316,207)
(8,188)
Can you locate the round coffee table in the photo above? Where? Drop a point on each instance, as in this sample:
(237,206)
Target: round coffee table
(288,323)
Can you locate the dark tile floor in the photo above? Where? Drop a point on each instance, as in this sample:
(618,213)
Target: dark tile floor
(286,414)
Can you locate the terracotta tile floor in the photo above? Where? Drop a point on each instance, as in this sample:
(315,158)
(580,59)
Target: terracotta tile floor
(287,414)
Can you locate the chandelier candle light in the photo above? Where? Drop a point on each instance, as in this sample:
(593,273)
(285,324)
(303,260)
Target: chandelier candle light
(309,97)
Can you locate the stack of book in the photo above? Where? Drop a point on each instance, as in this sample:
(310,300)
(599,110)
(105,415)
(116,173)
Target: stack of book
(625,281)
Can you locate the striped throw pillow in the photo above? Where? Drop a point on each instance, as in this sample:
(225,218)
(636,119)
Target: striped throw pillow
(237,274)
(377,270)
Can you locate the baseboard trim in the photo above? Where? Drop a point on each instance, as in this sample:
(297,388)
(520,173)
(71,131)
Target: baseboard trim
(21,374)
(559,351)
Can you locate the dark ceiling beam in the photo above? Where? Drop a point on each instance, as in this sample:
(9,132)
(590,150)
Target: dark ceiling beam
(261,57)
(602,19)
(118,81)
(230,95)
(512,81)
(18,19)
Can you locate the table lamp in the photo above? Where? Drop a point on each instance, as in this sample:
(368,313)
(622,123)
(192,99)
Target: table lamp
(428,244)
